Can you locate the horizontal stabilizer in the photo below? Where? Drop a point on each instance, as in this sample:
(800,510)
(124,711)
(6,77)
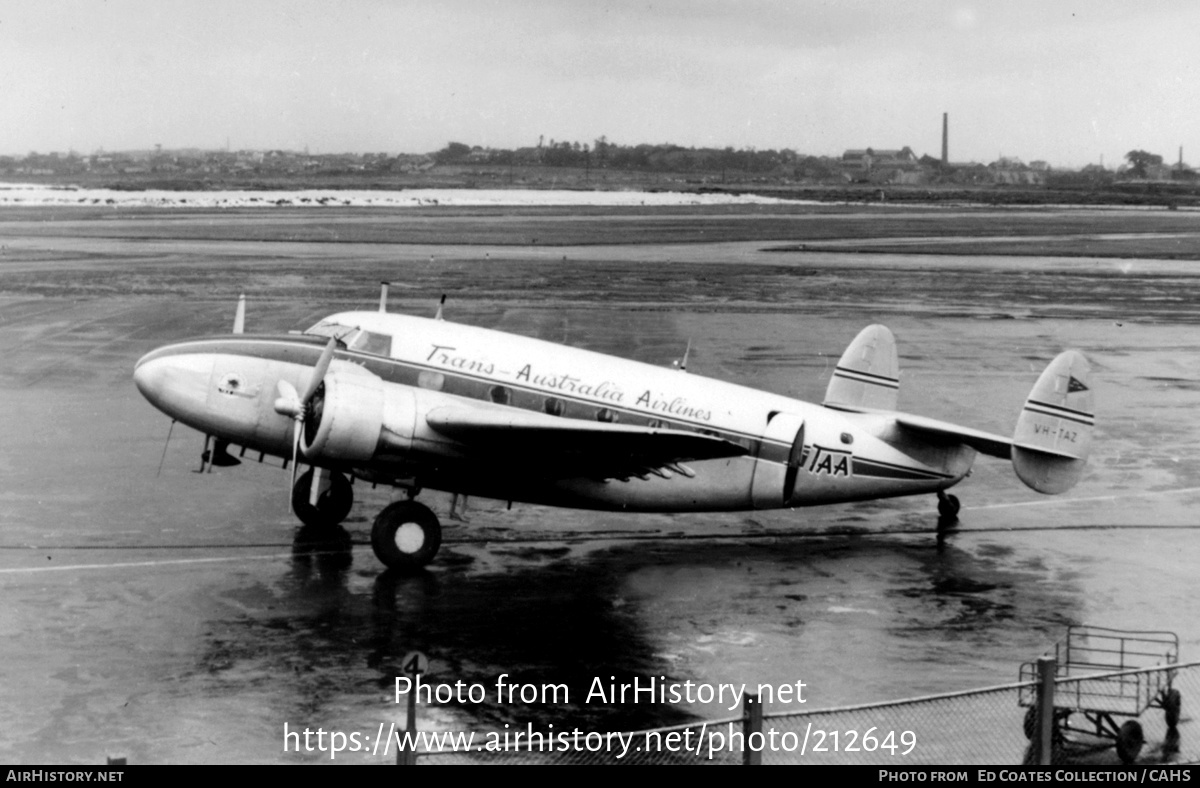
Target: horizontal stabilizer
(934,430)
(1053,437)
(868,374)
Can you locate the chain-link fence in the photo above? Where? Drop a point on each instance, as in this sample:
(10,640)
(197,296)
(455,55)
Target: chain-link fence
(1132,716)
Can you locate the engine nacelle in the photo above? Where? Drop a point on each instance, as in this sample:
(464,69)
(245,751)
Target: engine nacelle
(775,474)
(352,416)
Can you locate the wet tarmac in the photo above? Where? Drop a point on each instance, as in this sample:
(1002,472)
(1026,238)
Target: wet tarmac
(182,617)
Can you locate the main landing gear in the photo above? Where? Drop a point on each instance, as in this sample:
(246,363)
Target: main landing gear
(321,532)
(948,508)
(333,504)
(406,534)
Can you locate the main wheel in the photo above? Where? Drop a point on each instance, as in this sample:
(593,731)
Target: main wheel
(1129,741)
(1056,735)
(333,505)
(406,535)
(948,506)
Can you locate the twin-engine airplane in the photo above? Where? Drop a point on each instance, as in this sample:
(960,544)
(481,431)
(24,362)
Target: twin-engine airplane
(426,403)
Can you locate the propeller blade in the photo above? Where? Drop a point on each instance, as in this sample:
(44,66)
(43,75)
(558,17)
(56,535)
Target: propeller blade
(319,372)
(295,457)
(291,404)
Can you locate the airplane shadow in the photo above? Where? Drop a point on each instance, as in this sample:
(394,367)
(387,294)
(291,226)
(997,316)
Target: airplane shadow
(329,550)
(552,616)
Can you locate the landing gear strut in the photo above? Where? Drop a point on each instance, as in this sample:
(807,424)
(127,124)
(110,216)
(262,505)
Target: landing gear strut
(406,535)
(333,504)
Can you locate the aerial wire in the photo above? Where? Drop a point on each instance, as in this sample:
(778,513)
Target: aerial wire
(165,445)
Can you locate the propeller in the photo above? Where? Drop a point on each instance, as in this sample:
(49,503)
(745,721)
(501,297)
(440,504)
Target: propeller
(291,404)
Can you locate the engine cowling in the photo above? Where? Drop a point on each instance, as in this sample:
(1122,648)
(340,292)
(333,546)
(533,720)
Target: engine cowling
(776,472)
(355,417)
(351,416)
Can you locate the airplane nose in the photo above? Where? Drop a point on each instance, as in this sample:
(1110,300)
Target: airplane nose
(176,384)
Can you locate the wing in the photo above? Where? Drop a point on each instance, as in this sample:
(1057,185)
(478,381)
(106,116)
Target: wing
(566,448)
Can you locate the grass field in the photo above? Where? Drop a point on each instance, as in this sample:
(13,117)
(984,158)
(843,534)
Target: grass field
(784,258)
(584,225)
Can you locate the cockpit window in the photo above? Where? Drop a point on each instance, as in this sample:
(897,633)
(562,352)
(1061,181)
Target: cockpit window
(354,337)
(329,329)
(370,342)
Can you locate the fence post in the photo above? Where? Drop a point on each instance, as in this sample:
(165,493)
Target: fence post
(406,755)
(752,722)
(1043,741)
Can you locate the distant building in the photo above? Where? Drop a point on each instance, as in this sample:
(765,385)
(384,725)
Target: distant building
(871,159)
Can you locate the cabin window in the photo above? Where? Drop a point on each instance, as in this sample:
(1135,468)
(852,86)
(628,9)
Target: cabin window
(657,424)
(500,394)
(847,438)
(434,381)
(554,406)
(607,415)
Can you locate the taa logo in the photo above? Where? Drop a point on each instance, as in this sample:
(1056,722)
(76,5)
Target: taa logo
(831,463)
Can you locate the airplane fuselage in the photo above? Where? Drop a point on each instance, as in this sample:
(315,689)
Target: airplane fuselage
(403,367)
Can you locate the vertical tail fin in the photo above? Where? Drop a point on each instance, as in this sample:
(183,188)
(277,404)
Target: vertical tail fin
(1054,432)
(868,374)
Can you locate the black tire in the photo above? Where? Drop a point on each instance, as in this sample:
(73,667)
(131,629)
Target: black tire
(333,505)
(1031,723)
(1172,705)
(949,507)
(406,535)
(1129,741)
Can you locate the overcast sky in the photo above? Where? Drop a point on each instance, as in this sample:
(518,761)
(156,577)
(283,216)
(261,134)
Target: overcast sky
(1063,81)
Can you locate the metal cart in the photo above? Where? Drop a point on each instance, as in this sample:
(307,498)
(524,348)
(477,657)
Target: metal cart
(1093,651)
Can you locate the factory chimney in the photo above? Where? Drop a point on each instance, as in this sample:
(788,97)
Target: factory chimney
(945,138)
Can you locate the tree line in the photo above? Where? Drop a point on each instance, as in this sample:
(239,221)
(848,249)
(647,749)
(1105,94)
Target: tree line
(602,154)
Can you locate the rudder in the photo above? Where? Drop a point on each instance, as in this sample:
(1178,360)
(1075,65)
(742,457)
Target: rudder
(1053,437)
(868,374)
